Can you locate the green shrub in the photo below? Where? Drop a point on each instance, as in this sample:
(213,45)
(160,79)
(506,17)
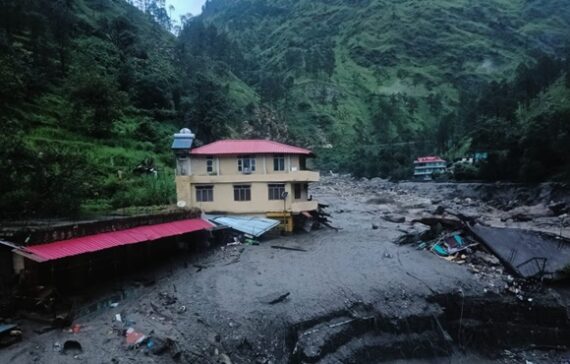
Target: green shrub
(465,171)
(147,191)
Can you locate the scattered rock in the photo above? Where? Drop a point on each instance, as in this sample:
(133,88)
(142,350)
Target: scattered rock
(439,210)
(44,329)
(559,208)
(397,219)
(214,338)
(224,359)
(486,258)
(413,233)
(381,199)
(521,218)
(167,299)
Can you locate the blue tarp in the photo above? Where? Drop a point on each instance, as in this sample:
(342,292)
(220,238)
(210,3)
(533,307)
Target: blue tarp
(250,225)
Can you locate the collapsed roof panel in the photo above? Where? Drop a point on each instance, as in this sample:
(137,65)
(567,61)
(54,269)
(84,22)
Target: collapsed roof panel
(527,253)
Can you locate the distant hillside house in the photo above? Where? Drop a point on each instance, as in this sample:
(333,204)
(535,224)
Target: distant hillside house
(253,177)
(426,167)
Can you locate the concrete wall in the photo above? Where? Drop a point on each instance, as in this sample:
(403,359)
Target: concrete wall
(223,200)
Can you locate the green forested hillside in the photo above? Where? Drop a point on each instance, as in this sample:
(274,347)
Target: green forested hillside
(524,123)
(91,92)
(93,89)
(383,75)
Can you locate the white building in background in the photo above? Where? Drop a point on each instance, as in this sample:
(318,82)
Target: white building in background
(426,167)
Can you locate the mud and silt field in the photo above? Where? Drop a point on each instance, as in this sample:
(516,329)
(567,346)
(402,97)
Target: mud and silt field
(347,296)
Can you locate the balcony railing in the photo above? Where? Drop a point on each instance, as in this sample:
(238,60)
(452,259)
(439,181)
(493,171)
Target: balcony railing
(297,176)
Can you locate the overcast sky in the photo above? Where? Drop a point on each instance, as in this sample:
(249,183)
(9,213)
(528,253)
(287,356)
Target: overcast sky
(185,6)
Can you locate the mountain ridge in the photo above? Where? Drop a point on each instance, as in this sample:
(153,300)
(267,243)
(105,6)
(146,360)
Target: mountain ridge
(334,60)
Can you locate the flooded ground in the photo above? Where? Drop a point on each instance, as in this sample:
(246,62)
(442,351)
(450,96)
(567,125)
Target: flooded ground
(351,296)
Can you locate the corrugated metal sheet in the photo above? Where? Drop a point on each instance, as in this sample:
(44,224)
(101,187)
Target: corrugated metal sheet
(527,253)
(254,226)
(226,147)
(97,242)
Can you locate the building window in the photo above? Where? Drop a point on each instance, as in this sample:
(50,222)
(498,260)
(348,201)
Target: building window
(279,162)
(204,193)
(276,191)
(297,191)
(246,163)
(210,164)
(242,193)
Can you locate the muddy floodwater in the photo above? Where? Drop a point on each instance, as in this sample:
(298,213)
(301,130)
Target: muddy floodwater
(346,296)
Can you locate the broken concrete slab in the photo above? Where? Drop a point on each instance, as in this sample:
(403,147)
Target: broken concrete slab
(413,233)
(527,253)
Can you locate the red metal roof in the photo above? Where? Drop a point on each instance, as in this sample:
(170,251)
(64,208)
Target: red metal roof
(429,159)
(225,147)
(97,242)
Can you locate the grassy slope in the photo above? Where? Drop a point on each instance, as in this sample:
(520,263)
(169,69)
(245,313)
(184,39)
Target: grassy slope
(385,47)
(122,151)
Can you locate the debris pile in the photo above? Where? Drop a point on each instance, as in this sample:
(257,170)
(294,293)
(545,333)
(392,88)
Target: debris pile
(323,217)
(448,238)
(451,244)
(490,253)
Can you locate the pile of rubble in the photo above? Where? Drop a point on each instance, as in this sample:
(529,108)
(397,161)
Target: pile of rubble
(511,261)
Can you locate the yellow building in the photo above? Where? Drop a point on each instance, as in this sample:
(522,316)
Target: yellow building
(253,177)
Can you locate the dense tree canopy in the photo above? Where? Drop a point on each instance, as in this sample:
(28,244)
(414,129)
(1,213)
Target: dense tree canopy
(91,89)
